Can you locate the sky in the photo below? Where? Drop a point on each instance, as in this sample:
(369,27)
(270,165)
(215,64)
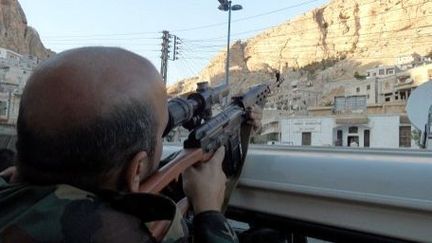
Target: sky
(136,25)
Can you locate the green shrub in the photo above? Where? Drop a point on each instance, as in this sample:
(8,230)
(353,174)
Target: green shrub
(358,76)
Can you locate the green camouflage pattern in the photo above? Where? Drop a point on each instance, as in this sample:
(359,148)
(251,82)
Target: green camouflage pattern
(63,213)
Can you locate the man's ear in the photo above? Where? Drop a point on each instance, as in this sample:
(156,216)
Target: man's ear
(139,167)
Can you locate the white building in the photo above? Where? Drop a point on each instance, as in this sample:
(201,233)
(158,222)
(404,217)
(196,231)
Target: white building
(377,131)
(408,59)
(413,60)
(382,71)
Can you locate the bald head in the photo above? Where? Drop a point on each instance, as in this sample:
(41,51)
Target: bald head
(86,113)
(78,85)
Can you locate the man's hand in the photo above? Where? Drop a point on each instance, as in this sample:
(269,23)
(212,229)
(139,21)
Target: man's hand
(204,185)
(255,114)
(10,174)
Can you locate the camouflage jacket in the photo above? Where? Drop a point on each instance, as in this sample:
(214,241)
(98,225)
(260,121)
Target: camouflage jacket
(62,213)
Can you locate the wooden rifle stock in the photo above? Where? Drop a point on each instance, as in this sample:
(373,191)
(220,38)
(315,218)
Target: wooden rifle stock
(172,170)
(168,173)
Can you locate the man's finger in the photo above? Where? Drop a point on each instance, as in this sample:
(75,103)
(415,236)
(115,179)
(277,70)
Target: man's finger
(219,156)
(255,116)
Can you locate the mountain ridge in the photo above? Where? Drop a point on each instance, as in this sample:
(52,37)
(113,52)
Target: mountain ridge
(348,36)
(16,35)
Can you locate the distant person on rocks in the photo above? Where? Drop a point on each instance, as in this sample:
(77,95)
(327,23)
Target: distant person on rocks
(90,131)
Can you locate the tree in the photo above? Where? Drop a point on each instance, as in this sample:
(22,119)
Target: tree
(416,136)
(358,76)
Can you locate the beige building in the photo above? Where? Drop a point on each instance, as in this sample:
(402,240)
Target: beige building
(15,69)
(365,106)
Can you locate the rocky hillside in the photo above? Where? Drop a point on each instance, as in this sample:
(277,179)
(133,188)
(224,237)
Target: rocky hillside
(327,44)
(15,34)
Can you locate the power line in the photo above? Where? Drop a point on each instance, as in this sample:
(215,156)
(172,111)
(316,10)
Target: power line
(265,28)
(197,45)
(104,39)
(187,67)
(180,30)
(193,58)
(245,18)
(193,65)
(102,35)
(103,43)
(274,11)
(302,20)
(197,48)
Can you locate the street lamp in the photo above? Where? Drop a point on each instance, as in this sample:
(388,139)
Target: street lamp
(225,5)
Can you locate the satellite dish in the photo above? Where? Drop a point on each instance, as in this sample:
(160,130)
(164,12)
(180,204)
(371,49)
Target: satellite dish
(419,104)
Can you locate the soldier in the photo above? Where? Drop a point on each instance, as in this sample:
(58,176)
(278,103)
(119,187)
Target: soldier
(89,131)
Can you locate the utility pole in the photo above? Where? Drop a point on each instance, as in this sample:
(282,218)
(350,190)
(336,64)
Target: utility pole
(177,43)
(165,55)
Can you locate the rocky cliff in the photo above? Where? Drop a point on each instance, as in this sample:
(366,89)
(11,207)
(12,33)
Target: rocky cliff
(16,35)
(327,44)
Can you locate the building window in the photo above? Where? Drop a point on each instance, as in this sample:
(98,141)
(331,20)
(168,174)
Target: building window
(368,87)
(358,90)
(3,108)
(381,72)
(353,130)
(366,139)
(339,138)
(306,138)
(350,103)
(387,99)
(405,136)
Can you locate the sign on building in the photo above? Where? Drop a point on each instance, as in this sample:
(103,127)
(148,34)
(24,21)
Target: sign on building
(307,125)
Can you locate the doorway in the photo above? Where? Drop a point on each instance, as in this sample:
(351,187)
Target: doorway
(353,141)
(306,138)
(339,138)
(366,142)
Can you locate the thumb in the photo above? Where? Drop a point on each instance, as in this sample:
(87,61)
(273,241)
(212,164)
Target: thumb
(8,171)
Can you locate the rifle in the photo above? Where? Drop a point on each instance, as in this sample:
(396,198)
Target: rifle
(207,134)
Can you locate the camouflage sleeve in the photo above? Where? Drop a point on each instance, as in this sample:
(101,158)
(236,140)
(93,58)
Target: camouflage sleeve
(119,227)
(212,227)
